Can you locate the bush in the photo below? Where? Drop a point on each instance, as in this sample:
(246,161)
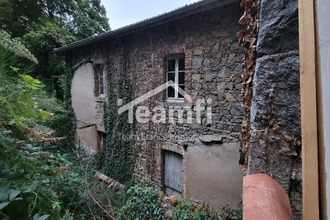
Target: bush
(82,195)
(15,46)
(25,189)
(232,214)
(192,210)
(143,203)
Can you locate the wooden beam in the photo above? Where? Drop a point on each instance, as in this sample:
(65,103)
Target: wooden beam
(322,164)
(321,94)
(308,110)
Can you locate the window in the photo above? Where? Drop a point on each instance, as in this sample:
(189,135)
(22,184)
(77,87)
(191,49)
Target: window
(100,81)
(176,73)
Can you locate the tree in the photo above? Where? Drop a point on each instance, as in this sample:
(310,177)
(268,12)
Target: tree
(43,25)
(16,15)
(81,18)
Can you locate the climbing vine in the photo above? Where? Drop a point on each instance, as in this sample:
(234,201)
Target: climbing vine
(248,39)
(118,155)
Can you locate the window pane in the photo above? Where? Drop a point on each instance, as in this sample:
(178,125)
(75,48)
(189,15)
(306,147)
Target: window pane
(181,77)
(170,92)
(101,84)
(179,95)
(181,64)
(171,65)
(171,76)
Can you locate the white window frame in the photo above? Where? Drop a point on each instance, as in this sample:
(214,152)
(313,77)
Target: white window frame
(103,84)
(176,71)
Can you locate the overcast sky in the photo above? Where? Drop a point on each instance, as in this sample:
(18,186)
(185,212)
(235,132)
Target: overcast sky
(124,12)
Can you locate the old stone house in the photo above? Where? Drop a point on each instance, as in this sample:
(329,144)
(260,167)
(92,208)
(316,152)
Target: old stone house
(196,156)
(282,128)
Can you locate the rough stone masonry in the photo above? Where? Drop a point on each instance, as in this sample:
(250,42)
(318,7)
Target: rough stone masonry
(208,43)
(275,111)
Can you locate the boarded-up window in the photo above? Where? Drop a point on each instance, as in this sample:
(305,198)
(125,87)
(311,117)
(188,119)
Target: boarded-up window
(172,173)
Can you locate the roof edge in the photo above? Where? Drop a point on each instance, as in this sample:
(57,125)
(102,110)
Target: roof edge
(149,23)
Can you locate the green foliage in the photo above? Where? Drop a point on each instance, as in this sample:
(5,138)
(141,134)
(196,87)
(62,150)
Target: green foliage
(118,151)
(15,47)
(41,40)
(47,35)
(18,107)
(78,191)
(143,203)
(26,191)
(64,121)
(43,25)
(67,216)
(29,81)
(82,18)
(24,180)
(232,214)
(191,210)
(35,184)
(89,18)
(14,58)
(17,15)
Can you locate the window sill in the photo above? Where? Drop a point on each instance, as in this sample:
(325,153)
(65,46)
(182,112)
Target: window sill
(174,103)
(100,99)
(173,100)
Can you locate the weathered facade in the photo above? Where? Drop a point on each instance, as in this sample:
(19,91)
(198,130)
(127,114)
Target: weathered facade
(206,152)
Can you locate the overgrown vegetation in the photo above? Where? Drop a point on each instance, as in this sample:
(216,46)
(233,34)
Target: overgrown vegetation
(64,122)
(195,211)
(143,203)
(42,25)
(191,210)
(82,195)
(40,176)
(118,151)
(25,176)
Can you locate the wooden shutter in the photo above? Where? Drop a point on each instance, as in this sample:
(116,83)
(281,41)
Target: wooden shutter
(172,173)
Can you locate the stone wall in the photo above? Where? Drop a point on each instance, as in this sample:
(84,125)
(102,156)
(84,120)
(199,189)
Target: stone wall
(212,71)
(213,67)
(275,111)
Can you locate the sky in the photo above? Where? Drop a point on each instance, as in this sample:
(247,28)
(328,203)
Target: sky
(125,12)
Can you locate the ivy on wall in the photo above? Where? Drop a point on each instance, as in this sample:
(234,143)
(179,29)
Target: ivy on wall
(118,155)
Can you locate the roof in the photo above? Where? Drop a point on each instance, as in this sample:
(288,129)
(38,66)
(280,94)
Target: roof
(179,13)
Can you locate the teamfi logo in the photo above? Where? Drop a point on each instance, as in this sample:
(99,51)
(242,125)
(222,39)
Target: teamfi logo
(181,113)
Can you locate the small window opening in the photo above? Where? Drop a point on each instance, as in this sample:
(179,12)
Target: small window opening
(175,73)
(100,81)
